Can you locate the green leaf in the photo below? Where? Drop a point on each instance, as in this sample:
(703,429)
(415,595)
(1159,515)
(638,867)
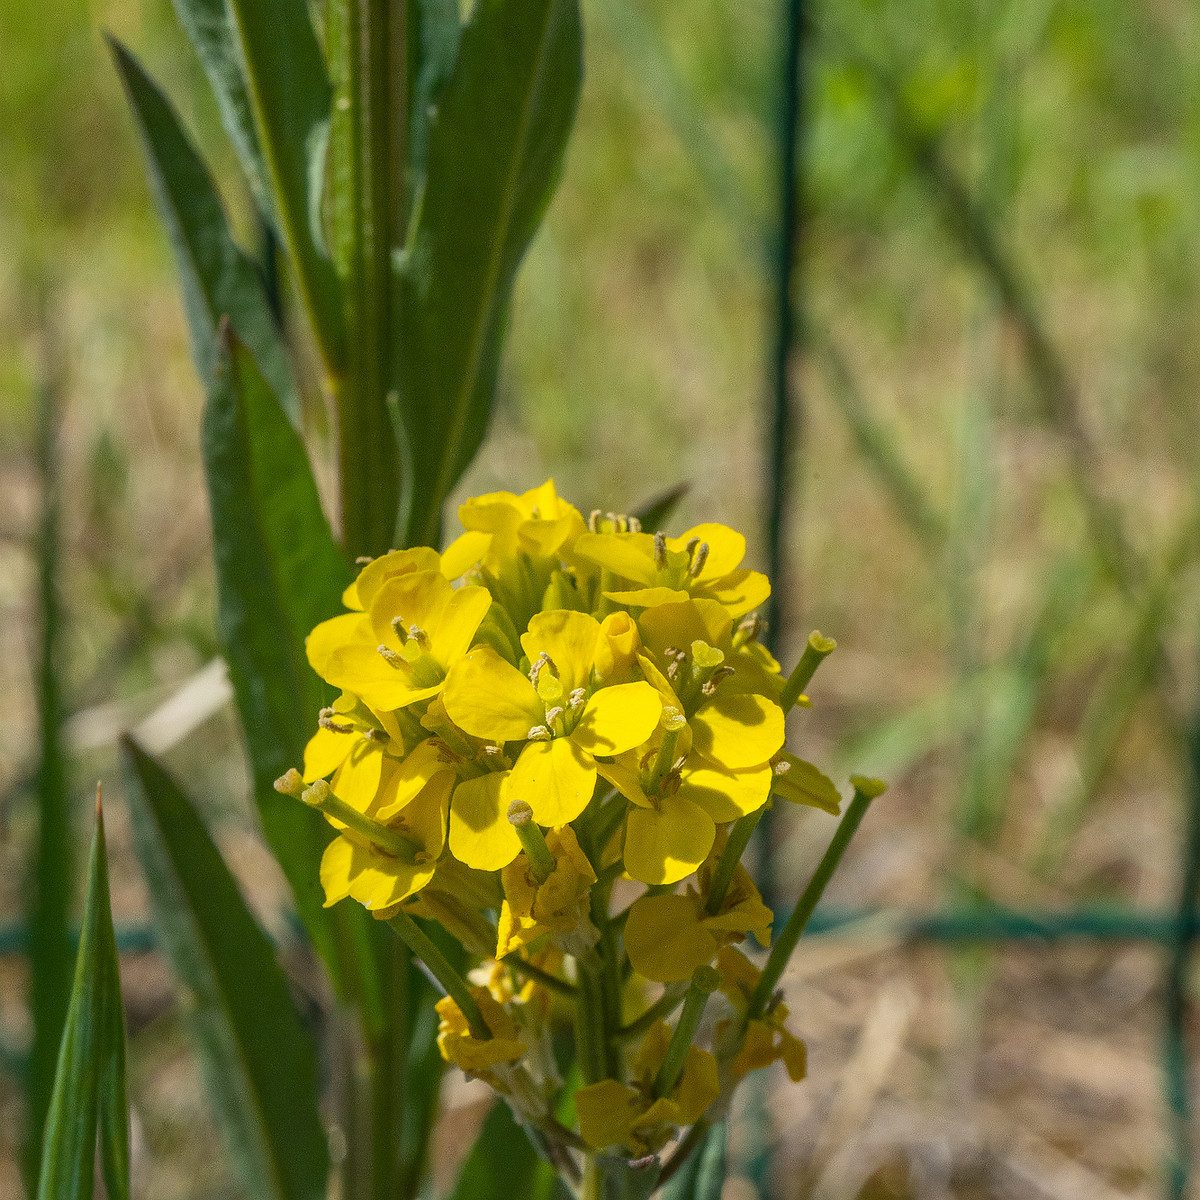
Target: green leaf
(495,152)
(218,278)
(209,29)
(279,573)
(290,95)
(258,1062)
(438,31)
(502,1163)
(89,1086)
(51,956)
(655,513)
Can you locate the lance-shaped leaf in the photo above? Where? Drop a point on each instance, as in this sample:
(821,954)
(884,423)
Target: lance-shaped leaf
(209,29)
(89,1087)
(290,94)
(279,574)
(258,1061)
(495,153)
(218,278)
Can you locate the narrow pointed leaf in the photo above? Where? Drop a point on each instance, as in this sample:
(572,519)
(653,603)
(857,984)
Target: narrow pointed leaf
(438,31)
(290,94)
(495,153)
(218,278)
(258,1062)
(51,957)
(89,1086)
(209,29)
(279,573)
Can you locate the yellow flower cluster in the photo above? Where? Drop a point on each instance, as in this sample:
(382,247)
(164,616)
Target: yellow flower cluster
(551,704)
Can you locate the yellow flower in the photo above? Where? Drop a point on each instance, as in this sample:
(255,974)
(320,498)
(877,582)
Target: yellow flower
(559,905)
(556,710)
(668,936)
(611,1113)
(354,745)
(397,652)
(458,1046)
(704,562)
(767,1040)
(378,571)
(678,797)
(412,802)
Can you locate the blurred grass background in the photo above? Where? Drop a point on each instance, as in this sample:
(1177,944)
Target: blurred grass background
(995,514)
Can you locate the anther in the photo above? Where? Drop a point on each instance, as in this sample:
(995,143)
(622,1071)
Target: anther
(362,560)
(782,767)
(577,697)
(692,543)
(594,521)
(698,560)
(660,550)
(390,657)
(553,714)
(399,630)
(635,525)
(419,636)
(326,721)
(493,750)
(539,733)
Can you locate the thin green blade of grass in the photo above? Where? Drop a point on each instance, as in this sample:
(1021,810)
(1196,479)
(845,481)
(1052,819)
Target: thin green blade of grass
(89,1086)
(503,1163)
(50,953)
(218,279)
(495,155)
(656,512)
(259,1063)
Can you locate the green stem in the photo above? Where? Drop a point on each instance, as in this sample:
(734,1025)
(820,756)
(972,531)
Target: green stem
(735,845)
(705,981)
(815,653)
(865,790)
(660,1010)
(527,969)
(589,1026)
(454,985)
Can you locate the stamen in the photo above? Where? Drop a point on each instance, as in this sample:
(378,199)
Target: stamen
(782,767)
(553,714)
(594,521)
(698,560)
(692,543)
(391,657)
(660,550)
(577,697)
(399,630)
(326,721)
(493,750)
(635,525)
(539,733)
(362,560)
(419,636)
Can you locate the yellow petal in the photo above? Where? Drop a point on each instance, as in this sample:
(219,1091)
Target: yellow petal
(555,778)
(570,639)
(665,845)
(649,597)
(607,1111)
(625,779)
(617,648)
(683,623)
(459,619)
(489,698)
(803,784)
(410,779)
(737,731)
(617,719)
(794,1055)
(480,832)
(358,667)
(333,635)
(350,597)
(699,1086)
(325,752)
(464,552)
(414,597)
(664,940)
(387,566)
(725,795)
(357,779)
(738,592)
(726,548)
(337,864)
(629,555)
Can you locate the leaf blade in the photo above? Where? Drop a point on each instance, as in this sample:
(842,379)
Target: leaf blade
(218,278)
(260,1065)
(495,153)
(290,95)
(502,1163)
(89,1084)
